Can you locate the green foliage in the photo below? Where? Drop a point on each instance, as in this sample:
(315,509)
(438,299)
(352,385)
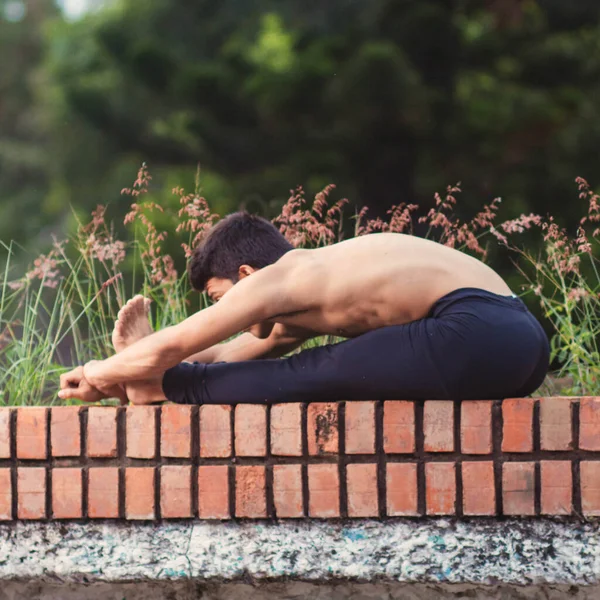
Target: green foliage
(389,99)
(62,311)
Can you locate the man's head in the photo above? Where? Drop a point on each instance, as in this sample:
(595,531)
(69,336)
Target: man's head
(234,248)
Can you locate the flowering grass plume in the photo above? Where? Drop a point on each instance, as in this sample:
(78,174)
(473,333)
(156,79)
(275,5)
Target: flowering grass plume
(310,228)
(62,310)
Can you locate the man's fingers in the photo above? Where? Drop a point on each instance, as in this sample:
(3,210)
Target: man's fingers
(72,381)
(68,393)
(69,380)
(83,393)
(63,381)
(72,378)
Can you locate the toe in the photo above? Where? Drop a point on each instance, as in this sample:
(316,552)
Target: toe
(138,306)
(129,306)
(117,335)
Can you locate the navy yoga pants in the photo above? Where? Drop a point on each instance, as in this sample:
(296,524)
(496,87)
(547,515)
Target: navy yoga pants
(472,345)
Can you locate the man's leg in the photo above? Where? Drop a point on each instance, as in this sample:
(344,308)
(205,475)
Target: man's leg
(384,363)
(475,349)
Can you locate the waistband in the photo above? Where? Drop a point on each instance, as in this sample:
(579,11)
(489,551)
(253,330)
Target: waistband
(477,295)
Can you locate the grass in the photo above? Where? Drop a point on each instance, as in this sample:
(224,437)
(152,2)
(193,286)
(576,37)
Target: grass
(61,311)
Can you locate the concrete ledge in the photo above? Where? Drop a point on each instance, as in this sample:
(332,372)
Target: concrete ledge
(412,551)
(289,590)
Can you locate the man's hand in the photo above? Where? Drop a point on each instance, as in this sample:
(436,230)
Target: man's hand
(74,385)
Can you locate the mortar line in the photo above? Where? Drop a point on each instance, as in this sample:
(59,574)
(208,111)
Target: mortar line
(85,484)
(12,424)
(576,462)
(304,457)
(269,499)
(157,473)
(231,469)
(121,455)
(342,461)
(537,485)
(381,460)
(420,456)
(458,500)
(195,457)
(49,494)
(497,434)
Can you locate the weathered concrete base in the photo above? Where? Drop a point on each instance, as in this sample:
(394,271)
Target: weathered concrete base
(289,591)
(417,551)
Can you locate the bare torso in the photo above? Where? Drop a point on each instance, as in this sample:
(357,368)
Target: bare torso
(375,281)
(344,290)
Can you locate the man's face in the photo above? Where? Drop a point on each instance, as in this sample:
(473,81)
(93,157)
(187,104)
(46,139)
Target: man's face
(216,288)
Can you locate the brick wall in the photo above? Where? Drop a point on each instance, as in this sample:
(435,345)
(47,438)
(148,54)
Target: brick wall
(321,460)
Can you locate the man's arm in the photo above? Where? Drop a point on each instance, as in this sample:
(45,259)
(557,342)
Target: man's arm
(252,300)
(248,347)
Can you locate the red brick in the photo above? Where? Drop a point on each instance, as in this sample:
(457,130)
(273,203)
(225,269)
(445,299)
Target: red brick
(31,433)
(286,434)
(250,492)
(517,430)
(555,424)
(176,431)
(360,427)
(215,431)
(5,432)
(66,493)
(557,487)
(213,492)
(362,490)
(250,430)
(402,489)
(323,491)
(399,427)
(176,492)
(103,493)
(479,494)
(476,427)
(65,431)
(31,493)
(590,487)
(440,488)
(438,426)
(139,493)
(287,491)
(102,432)
(5,495)
(518,488)
(589,419)
(322,428)
(141,431)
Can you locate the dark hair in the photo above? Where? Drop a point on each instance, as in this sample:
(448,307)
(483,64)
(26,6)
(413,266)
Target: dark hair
(238,239)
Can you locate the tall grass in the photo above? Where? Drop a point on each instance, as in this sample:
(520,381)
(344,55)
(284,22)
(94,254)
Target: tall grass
(61,312)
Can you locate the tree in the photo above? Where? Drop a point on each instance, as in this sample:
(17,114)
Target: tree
(390,100)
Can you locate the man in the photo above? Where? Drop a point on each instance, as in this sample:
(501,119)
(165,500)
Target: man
(423,321)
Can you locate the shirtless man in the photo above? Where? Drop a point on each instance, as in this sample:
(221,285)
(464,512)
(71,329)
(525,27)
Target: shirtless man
(423,321)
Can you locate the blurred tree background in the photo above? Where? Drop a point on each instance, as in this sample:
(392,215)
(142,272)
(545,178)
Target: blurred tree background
(391,100)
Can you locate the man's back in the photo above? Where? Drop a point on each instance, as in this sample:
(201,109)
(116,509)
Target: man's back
(375,281)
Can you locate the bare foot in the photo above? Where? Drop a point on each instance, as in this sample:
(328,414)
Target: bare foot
(132,323)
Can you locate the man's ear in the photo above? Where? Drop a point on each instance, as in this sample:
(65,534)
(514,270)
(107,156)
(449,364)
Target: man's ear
(245,270)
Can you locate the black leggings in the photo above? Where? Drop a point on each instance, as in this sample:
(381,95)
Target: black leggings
(472,345)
